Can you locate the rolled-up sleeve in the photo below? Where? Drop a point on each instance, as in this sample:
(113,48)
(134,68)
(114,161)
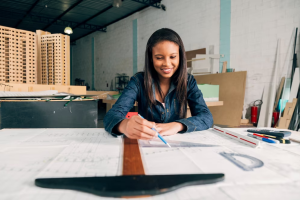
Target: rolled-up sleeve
(123,105)
(201,116)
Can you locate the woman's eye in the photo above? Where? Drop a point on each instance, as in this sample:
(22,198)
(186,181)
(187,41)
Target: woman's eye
(158,58)
(173,57)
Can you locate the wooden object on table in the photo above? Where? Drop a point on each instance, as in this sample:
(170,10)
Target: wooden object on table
(284,121)
(232,92)
(132,160)
(38,87)
(101,94)
(224,67)
(192,54)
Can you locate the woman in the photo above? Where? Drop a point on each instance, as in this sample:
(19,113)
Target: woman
(162,92)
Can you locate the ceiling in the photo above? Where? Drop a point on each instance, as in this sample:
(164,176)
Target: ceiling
(84,16)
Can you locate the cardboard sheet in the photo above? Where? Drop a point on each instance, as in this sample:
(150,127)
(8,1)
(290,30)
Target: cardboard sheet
(232,93)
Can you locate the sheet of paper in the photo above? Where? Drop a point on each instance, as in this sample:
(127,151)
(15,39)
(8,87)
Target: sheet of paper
(265,166)
(94,153)
(55,153)
(11,138)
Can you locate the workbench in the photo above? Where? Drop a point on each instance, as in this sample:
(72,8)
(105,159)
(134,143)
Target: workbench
(27,154)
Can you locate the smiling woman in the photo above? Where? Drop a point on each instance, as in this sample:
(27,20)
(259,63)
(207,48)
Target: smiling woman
(162,91)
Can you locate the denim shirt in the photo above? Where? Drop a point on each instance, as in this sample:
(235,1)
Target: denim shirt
(135,91)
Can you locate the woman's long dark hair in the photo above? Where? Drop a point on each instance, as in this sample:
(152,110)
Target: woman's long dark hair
(179,77)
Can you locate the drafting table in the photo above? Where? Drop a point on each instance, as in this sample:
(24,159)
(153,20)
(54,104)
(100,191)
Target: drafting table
(26,154)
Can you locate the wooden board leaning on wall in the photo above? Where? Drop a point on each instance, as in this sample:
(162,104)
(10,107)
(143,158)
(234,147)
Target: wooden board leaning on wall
(232,93)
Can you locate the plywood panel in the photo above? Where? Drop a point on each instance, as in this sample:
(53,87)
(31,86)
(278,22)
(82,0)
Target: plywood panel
(232,93)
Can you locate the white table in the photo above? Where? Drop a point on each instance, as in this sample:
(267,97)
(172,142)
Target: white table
(26,154)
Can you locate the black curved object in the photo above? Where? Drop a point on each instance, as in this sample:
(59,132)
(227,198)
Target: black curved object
(126,186)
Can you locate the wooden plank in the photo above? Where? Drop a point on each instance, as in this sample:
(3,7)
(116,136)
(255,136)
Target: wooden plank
(192,54)
(284,121)
(224,67)
(279,92)
(132,160)
(232,92)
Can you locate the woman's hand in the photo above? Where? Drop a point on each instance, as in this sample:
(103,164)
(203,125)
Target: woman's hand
(169,128)
(137,128)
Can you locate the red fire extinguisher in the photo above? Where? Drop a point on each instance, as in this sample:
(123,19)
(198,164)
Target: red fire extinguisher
(254,110)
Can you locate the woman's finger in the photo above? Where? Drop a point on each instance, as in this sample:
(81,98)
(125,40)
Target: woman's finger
(144,122)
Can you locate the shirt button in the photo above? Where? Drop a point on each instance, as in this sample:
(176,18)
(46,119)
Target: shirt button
(163,113)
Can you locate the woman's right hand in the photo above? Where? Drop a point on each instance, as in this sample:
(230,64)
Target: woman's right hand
(137,128)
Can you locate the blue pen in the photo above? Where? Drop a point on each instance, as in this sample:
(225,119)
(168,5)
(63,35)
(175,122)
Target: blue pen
(261,138)
(160,137)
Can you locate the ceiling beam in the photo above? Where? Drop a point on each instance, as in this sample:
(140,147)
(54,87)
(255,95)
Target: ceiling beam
(110,23)
(95,15)
(30,9)
(61,15)
(46,20)
(153,3)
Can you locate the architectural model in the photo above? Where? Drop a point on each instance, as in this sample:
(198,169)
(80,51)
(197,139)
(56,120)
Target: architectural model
(18,61)
(34,58)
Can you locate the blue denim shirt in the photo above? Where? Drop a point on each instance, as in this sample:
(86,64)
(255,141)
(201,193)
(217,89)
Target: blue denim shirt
(201,116)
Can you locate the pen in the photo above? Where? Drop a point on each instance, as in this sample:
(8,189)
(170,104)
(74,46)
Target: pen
(160,137)
(261,138)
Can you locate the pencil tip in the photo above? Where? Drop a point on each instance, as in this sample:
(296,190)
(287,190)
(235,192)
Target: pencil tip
(168,145)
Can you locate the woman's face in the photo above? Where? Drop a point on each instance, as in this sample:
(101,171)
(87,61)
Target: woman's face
(165,57)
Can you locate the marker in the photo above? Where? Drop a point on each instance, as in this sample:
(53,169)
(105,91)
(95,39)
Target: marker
(261,138)
(160,137)
(275,138)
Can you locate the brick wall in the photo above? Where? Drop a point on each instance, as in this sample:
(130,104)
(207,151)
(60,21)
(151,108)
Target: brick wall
(256,25)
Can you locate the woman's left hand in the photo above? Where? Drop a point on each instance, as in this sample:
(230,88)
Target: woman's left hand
(169,128)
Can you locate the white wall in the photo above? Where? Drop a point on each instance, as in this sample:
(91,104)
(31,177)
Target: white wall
(196,21)
(256,25)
